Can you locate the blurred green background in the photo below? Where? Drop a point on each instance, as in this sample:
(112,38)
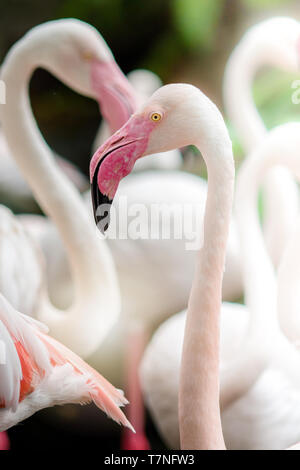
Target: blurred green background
(180,40)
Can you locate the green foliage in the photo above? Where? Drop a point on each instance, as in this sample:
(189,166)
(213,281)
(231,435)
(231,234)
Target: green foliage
(196,21)
(163,56)
(273,96)
(84,9)
(105,15)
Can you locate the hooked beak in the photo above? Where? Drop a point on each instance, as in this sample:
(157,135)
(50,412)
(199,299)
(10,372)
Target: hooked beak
(103,198)
(112,162)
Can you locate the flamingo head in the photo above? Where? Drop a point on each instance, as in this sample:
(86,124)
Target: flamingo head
(281,39)
(171,118)
(78,55)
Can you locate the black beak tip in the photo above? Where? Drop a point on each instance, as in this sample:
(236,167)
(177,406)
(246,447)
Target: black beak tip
(102,216)
(101,208)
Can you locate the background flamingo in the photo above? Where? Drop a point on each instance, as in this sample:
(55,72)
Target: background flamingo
(273,42)
(82,326)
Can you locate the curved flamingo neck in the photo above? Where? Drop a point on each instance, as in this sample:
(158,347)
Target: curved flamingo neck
(259,286)
(288,288)
(91,264)
(264,340)
(237,90)
(285,151)
(258,271)
(253,52)
(199,410)
(280,148)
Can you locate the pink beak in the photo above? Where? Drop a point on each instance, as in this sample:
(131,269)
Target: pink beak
(113,161)
(117,98)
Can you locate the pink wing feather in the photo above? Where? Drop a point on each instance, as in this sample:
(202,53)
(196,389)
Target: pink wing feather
(102,393)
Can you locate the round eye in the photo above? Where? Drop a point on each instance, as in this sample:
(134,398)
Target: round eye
(87,55)
(155,117)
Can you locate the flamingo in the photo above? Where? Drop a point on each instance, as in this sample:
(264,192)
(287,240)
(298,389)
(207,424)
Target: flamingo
(260,389)
(288,289)
(161,115)
(37,372)
(97,303)
(288,278)
(273,42)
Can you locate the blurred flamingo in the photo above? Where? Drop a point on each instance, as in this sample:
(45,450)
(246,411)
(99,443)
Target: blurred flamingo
(273,42)
(84,325)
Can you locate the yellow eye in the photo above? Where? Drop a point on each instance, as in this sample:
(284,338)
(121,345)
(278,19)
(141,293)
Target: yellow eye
(87,55)
(155,117)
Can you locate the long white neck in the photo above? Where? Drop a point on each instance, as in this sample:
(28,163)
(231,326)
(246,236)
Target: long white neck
(237,91)
(288,271)
(199,411)
(258,271)
(263,341)
(288,288)
(96,306)
(281,197)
